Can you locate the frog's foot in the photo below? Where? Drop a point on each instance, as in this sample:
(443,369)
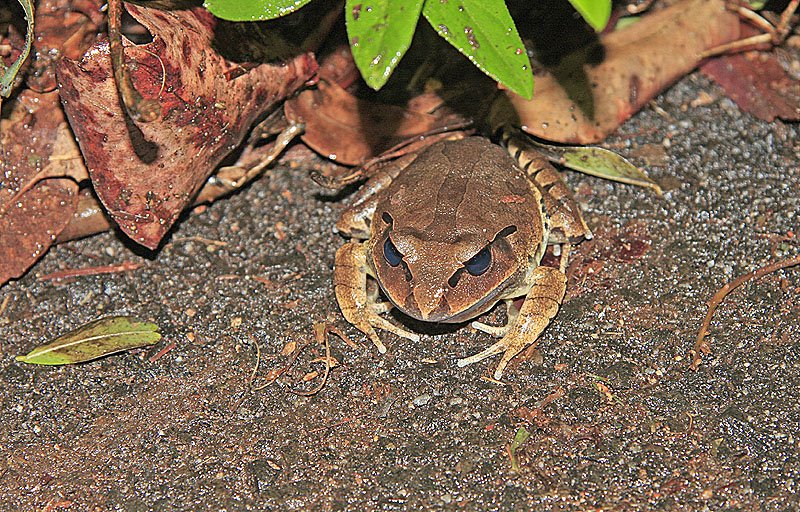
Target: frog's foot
(498,331)
(540,306)
(359,307)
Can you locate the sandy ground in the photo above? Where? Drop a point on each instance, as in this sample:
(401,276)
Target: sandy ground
(617,421)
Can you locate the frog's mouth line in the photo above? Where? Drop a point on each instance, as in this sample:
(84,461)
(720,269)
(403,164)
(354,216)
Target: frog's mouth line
(447,317)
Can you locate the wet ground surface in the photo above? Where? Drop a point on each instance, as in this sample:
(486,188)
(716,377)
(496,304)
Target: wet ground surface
(616,419)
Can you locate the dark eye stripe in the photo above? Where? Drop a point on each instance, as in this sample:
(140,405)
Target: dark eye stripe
(391,253)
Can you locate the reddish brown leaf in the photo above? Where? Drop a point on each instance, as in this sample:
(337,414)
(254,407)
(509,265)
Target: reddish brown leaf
(640,62)
(351,130)
(37,155)
(40,164)
(758,84)
(147,173)
(63,28)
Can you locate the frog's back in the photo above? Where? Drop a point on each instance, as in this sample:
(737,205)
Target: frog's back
(464,185)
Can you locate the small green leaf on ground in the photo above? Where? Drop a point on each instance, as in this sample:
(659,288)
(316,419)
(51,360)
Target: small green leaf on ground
(484,31)
(595,12)
(380,32)
(95,339)
(252,10)
(519,439)
(8,74)
(598,162)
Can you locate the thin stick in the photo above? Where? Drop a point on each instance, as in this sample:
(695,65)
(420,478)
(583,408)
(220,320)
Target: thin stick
(138,107)
(321,331)
(258,361)
(91,271)
(703,347)
(158,355)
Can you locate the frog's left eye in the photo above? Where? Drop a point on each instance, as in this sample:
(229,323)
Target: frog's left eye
(479,263)
(391,253)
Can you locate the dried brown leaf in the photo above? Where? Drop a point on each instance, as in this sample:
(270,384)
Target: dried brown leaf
(351,130)
(40,167)
(758,83)
(578,103)
(147,173)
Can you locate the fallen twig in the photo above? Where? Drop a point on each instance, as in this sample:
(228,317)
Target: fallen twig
(91,271)
(321,332)
(158,355)
(703,347)
(4,305)
(138,107)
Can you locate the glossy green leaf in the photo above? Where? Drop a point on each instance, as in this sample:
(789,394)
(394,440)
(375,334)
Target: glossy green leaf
(521,436)
(484,32)
(380,32)
(595,12)
(252,10)
(95,339)
(597,162)
(7,75)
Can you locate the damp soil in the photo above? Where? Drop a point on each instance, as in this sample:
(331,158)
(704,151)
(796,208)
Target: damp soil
(616,418)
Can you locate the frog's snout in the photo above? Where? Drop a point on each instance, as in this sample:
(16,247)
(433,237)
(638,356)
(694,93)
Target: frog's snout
(428,304)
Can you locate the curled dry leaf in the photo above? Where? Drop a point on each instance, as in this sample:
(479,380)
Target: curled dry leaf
(147,173)
(578,103)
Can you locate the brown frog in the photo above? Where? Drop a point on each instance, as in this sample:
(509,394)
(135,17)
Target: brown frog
(448,235)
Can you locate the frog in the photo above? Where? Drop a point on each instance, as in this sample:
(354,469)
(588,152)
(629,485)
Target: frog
(449,233)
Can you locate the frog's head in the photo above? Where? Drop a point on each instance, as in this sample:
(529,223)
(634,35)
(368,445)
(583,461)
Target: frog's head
(449,279)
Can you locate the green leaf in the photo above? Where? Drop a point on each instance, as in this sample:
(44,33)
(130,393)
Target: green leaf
(95,339)
(7,75)
(484,31)
(252,10)
(597,162)
(521,436)
(595,12)
(380,32)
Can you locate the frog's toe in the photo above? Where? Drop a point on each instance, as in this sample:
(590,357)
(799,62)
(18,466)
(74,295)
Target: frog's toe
(364,325)
(498,331)
(382,307)
(489,352)
(373,321)
(377,342)
(388,326)
(509,347)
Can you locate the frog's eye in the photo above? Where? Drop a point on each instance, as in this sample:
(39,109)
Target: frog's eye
(391,253)
(479,263)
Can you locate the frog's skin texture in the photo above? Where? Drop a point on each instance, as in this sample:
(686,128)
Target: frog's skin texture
(450,234)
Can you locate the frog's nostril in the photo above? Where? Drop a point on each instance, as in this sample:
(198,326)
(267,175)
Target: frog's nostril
(453,281)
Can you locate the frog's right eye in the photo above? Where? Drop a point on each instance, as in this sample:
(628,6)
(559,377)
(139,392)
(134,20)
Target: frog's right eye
(391,253)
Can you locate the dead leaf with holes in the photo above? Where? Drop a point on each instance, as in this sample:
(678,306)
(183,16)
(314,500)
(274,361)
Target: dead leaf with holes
(146,174)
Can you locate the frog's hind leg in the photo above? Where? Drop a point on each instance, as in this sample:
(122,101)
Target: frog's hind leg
(566,220)
(358,306)
(540,306)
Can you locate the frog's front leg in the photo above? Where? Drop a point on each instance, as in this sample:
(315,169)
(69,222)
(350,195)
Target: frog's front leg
(360,308)
(541,305)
